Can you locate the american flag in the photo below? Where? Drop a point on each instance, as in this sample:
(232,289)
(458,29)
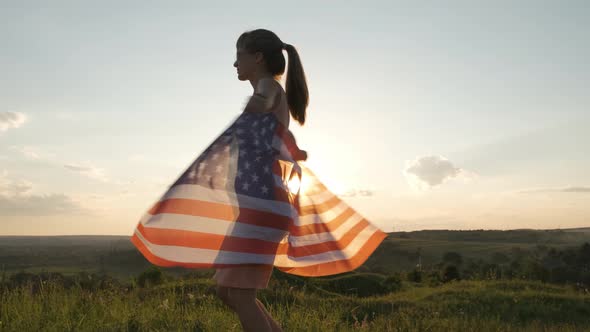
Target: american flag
(250,199)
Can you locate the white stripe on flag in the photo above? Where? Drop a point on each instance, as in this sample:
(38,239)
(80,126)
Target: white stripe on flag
(214,226)
(201,224)
(198,255)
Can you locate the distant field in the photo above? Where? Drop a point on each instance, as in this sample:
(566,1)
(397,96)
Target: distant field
(400,251)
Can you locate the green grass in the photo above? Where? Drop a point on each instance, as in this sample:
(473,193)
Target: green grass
(191,305)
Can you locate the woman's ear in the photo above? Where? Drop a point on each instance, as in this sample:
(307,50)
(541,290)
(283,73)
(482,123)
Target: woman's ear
(259,57)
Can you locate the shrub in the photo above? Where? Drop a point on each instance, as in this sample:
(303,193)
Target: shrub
(414,275)
(392,283)
(450,273)
(150,277)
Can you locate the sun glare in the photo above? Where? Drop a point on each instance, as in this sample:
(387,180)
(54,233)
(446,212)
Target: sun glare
(294,185)
(305,185)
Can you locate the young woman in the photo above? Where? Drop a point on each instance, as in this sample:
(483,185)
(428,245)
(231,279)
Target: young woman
(260,60)
(249,203)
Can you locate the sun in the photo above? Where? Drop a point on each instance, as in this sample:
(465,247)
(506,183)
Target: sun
(294,185)
(305,186)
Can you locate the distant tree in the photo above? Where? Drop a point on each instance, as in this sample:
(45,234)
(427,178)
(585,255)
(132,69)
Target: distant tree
(491,271)
(508,273)
(21,278)
(472,269)
(533,270)
(562,274)
(392,283)
(415,275)
(500,258)
(453,258)
(101,263)
(433,278)
(552,259)
(584,257)
(450,273)
(517,253)
(541,248)
(515,265)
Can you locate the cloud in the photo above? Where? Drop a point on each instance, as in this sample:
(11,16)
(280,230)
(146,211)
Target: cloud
(11,120)
(564,190)
(35,153)
(38,205)
(32,152)
(89,171)
(10,187)
(16,200)
(356,192)
(429,171)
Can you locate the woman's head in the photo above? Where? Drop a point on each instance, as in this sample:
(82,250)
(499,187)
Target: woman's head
(260,51)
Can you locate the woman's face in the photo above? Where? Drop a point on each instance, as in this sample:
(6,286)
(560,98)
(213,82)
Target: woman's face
(246,63)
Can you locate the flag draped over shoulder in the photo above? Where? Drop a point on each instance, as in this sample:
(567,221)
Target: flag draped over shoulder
(250,199)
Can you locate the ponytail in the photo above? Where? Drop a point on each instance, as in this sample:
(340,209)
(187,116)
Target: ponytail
(296,86)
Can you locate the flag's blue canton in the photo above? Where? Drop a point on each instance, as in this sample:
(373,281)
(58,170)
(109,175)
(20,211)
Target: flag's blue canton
(254,177)
(240,159)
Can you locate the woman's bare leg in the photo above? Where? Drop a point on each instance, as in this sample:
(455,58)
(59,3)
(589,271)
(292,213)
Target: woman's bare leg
(252,317)
(223,294)
(273,324)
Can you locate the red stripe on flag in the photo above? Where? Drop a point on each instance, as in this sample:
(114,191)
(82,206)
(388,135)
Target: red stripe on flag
(192,239)
(340,266)
(193,207)
(327,226)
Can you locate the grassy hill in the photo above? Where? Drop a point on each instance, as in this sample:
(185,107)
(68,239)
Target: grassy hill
(400,251)
(190,305)
(375,297)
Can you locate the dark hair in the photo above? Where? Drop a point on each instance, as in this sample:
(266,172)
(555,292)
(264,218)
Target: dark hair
(271,47)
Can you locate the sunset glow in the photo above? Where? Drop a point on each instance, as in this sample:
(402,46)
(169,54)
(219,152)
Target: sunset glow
(478,125)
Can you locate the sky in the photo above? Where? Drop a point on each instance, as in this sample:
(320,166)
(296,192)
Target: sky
(422,115)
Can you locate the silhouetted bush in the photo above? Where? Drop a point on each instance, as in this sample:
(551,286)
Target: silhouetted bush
(433,278)
(392,283)
(150,277)
(452,258)
(414,275)
(450,273)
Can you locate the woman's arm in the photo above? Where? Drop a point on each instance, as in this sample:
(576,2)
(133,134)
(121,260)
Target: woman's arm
(264,96)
